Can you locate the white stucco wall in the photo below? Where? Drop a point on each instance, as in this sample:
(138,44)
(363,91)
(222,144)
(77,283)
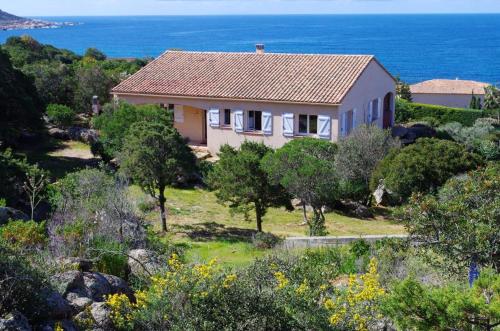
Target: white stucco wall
(373,83)
(448,100)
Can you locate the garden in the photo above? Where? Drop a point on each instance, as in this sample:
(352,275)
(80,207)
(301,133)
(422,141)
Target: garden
(112,223)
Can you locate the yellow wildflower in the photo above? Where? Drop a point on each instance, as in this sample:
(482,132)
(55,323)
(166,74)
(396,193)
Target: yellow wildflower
(303,288)
(229,280)
(282,280)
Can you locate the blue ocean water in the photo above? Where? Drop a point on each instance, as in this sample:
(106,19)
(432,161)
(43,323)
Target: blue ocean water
(416,47)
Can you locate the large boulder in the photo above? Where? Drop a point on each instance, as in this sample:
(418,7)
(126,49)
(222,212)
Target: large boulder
(78,301)
(58,133)
(408,135)
(97,285)
(101,314)
(118,285)
(68,281)
(143,262)
(8,213)
(14,322)
(357,209)
(56,306)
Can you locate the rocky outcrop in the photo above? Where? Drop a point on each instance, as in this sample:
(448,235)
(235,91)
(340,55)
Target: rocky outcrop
(143,263)
(408,135)
(14,322)
(74,133)
(101,314)
(8,213)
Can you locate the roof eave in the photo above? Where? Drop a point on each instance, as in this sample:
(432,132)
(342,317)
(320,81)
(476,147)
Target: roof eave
(115,92)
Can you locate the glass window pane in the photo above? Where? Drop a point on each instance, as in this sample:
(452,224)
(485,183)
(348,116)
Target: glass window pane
(227,116)
(251,120)
(302,123)
(313,124)
(258,120)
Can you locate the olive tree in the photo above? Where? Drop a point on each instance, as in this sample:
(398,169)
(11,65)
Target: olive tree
(155,156)
(240,181)
(358,155)
(305,168)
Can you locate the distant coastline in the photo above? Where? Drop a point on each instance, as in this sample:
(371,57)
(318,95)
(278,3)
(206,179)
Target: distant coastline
(12,22)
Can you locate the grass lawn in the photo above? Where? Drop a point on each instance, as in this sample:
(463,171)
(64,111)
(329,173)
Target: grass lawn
(207,229)
(57,156)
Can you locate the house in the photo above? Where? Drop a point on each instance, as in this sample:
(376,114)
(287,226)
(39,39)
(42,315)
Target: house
(447,92)
(226,98)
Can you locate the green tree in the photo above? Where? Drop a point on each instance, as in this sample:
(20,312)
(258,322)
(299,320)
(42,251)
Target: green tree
(359,154)
(462,222)
(492,101)
(305,168)
(403,90)
(242,182)
(473,102)
(422,167)
(13,172)
(60,115)
(95,54)
(20,105)
(92,80)
(156,156)
(414,306)
(115,121)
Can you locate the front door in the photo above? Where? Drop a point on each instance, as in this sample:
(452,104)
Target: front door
(387,116)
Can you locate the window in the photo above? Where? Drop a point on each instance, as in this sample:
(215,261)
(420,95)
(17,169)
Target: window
(308,124)
(171,106)
(349,121)
(227,117)
(254,120)
(375,110)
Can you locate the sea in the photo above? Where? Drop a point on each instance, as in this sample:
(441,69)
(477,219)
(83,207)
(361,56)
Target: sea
(414,47)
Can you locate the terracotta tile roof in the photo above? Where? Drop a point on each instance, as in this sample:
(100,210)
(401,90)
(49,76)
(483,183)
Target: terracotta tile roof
(295,78)
(449,86)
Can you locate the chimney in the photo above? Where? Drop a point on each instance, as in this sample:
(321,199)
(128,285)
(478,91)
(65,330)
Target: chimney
(259,48)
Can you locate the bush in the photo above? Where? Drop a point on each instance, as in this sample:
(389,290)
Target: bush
(422,167)
(24,235)
(407,111)
(110,256)
(60,115)
(265,240)
(21,285)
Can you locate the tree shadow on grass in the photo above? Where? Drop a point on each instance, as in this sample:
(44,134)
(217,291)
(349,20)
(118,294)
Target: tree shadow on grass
(212,231)
(58,166)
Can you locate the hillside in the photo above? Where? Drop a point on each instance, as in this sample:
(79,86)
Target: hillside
(13,22)
(9,18)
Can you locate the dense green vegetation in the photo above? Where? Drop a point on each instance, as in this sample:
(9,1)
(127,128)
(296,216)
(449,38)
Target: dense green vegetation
(408,111)
(20,106)
(422,167)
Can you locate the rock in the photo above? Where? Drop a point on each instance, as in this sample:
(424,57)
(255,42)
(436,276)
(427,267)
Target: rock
(382,195)
(97,285)
(78,302)
(68,281)
(59,133)
(74,132)
(76,263)
(399,131)
(8,213)
(14,322)
(67,325)
(358,209)
(101,314)
(118,285)
(88,136)
(57,307)
(143,262)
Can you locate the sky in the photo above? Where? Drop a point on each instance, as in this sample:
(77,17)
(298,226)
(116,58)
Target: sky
(235,7)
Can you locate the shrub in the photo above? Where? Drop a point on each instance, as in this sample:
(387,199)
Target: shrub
(461,223)
(422,167)
(21,286)
(414,306)
(358,156)
(407,111)
(60,115)
(24,235)
(110,256)
(265,240)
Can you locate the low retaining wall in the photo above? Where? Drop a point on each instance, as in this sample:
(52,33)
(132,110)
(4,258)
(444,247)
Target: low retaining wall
(306,242)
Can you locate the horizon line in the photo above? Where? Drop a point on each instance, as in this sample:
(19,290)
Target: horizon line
(270,14)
